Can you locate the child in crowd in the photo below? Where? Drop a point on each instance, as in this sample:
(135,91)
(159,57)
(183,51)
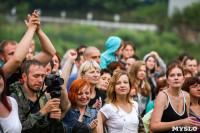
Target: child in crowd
(114,46)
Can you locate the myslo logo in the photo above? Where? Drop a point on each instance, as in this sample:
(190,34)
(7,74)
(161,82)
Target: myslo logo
(185,128)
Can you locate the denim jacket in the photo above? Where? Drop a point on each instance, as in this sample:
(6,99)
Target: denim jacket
(72,116)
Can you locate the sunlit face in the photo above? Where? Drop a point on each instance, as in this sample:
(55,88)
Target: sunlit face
(129,63)
(95,56)
(104,81)
(35,78)
(9,51)
(141,74)
(56,64)
(1,84)
(150,63)
(92,76)
(83,97)
(122,86)
(128,52)
(195,91)
(175,78)
(191,65)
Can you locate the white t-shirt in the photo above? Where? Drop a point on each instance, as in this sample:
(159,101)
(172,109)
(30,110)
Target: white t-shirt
(11,124)
(120,121)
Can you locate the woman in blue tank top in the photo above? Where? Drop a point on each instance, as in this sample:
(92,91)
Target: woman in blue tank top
(172,105)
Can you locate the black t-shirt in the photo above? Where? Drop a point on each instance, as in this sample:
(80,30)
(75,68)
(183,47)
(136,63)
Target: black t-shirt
(15,77)
(99,95)
(36,108)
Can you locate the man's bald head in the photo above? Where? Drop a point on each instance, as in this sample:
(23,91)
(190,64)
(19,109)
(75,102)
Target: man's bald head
(92,53)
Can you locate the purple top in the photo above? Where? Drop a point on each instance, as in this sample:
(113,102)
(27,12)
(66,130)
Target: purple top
(198,131)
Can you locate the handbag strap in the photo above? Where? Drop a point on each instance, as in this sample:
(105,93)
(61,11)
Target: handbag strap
(77,126)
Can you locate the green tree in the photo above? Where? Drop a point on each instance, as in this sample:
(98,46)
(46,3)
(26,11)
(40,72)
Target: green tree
(190,16)
(120,5)
(187,22)
(155,13)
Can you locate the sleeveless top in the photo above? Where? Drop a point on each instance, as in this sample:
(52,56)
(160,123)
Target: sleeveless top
(11,123)
(170,113)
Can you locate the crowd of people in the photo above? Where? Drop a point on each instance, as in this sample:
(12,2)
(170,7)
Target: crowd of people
(86,91)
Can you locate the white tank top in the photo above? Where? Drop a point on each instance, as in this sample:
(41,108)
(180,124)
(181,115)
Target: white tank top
(11,124)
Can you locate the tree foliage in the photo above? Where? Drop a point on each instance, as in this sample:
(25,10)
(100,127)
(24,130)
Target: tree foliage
(109,5)
(153,13)
(167,44)
(190,16)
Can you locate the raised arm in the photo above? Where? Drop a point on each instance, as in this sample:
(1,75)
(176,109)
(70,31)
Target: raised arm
(161,64)
(65,103)
(22,49)
(48,50)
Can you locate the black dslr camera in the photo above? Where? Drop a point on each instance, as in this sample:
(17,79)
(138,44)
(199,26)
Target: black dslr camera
(53,83)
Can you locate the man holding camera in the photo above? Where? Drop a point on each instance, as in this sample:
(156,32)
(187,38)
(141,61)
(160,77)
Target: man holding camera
(35,116)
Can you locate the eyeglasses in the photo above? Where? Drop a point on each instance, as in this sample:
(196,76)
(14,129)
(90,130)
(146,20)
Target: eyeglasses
(134,96)
(196,86)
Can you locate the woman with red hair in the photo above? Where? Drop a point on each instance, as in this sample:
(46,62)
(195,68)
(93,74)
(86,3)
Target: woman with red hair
(80,116)
(9,110)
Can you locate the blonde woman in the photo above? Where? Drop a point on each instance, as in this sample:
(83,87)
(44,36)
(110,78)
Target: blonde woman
(140,84)
(120,114)
(90,71)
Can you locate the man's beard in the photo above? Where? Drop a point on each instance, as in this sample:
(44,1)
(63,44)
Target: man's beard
(35,91)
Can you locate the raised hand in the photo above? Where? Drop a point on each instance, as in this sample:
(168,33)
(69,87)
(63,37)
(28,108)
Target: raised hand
(71,54)
(33,20)
(35,14)
(97,104)
(155,54)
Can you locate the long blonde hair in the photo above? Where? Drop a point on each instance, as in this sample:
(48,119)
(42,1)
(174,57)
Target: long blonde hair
(111,94)
(143,87)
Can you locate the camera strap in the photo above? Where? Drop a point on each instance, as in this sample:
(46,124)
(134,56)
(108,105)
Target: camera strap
(31,108)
